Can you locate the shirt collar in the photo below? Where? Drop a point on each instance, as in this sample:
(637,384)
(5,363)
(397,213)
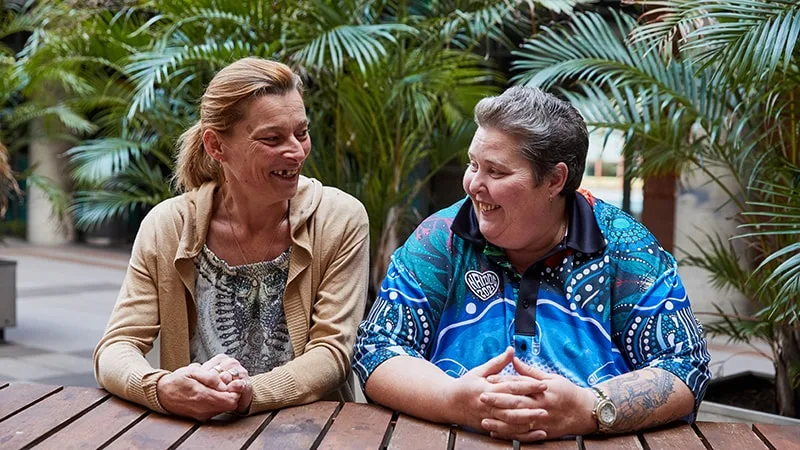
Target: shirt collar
(583,235)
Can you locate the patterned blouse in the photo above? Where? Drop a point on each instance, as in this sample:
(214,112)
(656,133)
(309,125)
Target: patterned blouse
(240,312)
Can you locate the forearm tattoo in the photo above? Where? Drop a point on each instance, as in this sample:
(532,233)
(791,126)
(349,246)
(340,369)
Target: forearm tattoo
(638,396)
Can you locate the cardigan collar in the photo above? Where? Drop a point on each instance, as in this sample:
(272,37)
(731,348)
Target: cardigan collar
(199,207)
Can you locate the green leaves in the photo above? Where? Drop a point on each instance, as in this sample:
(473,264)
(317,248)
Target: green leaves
(362,43)
(748,40)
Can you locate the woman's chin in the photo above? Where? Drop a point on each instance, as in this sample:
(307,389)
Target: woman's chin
(489,234)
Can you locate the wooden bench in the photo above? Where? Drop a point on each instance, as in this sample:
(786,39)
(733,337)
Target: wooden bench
(55,417)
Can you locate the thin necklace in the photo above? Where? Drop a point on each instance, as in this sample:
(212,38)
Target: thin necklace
(239,245)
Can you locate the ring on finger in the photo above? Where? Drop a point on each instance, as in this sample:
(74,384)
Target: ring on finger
(218,368)
(234,372)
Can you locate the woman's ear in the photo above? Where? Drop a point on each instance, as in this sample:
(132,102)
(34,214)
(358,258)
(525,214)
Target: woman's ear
(557,179)
(212,145)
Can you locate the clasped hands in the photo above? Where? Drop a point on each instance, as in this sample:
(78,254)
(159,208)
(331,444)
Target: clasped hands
(201,391)
(530,406)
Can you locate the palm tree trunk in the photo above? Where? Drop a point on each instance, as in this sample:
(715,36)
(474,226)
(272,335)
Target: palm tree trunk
(787,362)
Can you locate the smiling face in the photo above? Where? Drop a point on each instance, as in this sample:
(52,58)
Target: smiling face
(513,212)
(266,149)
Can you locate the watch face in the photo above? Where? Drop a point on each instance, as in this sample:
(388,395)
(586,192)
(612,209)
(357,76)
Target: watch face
(607,413)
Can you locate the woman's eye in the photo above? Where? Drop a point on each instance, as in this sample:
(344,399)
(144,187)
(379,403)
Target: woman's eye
(472,165)
(302,134)
(270,139)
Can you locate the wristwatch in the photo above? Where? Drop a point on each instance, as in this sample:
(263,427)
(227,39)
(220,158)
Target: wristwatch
(604,411)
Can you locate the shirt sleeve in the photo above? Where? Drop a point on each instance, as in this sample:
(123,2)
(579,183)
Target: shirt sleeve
(399,323)
(660,330)
(406,312)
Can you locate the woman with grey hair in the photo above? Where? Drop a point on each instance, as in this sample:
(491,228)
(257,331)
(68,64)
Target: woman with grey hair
(531,309)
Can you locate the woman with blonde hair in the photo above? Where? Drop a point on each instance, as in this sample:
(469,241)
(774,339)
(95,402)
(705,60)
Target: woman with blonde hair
(255,277)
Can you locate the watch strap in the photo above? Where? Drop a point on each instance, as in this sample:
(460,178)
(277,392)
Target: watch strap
(601,398)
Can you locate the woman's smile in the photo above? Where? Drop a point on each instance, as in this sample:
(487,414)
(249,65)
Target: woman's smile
(286,174)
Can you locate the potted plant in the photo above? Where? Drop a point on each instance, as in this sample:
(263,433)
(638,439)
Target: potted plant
(712,87)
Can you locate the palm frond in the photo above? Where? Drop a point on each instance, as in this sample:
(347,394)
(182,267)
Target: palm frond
(737,327)
(149,70)
(66,116)
(363,43)
(139,186)
(96,160)
(748,40)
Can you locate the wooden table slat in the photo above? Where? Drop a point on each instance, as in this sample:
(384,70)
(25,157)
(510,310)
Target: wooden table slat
(155,431)
(295,428)
(565,444)
(780,436)
(672,437)
(415,434)
(624,442)
(357,426)
(19,395)
(726,436)
(467,440)
(224,432)
(39,420)
(97,427)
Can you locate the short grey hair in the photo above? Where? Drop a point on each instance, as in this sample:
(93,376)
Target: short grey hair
(549,130)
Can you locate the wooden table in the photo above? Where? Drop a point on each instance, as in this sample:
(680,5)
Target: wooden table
(41,416)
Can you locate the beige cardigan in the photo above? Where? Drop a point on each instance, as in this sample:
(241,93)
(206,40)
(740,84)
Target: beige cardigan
(324,299)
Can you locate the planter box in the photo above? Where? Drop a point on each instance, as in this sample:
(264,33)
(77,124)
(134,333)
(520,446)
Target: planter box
(718,412)
(8,295)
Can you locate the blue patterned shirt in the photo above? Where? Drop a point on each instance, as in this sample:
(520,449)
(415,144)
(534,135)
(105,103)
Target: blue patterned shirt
(606,301)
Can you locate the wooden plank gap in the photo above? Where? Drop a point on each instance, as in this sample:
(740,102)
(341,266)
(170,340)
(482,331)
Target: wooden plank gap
(579,441)
(451,441)
(327,427)
(185,436)
(702,437)
(642,441)
(66,422)
(56,389)
(260,428)
(387,435)
(763,438)
(124,430)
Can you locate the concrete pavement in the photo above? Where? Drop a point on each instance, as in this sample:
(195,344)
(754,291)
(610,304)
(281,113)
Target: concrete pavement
(64,298)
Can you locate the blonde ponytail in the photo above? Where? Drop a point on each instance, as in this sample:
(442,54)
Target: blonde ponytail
(193,166)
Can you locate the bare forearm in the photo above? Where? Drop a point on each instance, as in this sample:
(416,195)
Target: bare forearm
(413,386)
(646,398)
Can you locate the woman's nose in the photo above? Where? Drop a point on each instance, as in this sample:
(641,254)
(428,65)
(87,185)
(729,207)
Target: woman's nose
(295,149)
(475,183)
